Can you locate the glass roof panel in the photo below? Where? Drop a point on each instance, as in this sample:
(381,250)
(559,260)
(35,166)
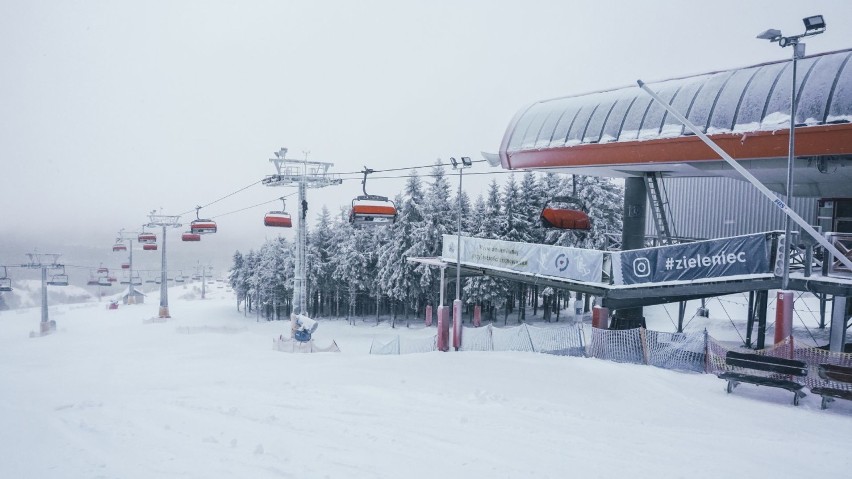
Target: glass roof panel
(722,119)
(706,99)
(754,102)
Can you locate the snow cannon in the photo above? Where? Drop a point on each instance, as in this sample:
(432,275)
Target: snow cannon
(303,327)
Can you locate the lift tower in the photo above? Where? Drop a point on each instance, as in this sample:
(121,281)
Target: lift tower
(302,174)
(45,261)
(165,221)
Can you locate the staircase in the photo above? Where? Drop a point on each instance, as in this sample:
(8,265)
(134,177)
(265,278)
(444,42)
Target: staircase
(660,209)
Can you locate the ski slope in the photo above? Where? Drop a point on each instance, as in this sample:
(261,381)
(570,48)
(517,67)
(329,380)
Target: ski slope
(205,396)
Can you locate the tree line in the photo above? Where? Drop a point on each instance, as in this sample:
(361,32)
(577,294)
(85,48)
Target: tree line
(357,272)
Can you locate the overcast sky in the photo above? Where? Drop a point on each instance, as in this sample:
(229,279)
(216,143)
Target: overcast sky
(109,109)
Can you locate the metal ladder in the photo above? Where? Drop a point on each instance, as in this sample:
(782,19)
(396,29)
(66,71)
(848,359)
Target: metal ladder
(660,209)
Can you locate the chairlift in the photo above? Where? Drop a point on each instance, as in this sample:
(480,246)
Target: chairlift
(190,236)
(147,238)
(136,281)
(103,270)
(125,265)
(565,213)
(58,280)
(179,279)
(5,282)
(104,281)
(119,247)
(279,219)
(201,226)
(371,210)
(149,247)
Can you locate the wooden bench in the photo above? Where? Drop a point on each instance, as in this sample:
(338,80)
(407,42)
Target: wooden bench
(757,362)
(838,374)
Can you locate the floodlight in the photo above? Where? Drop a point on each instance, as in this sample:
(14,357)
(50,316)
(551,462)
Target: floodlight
(772,35)
(466,161)
(454,162)
(814,23)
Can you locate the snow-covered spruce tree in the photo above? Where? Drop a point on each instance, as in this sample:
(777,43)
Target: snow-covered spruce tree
(515,225)
(235,278)
(427,235)
(530,203)
(486,290)
(352,265)
(320,268)
(397,276)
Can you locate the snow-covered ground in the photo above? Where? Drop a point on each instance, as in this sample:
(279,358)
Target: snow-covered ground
(205,396)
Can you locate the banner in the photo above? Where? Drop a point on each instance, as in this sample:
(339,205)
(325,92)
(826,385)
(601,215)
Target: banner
(561,262)
(735,256)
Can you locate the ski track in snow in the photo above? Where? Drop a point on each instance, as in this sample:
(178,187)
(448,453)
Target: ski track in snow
(204,395)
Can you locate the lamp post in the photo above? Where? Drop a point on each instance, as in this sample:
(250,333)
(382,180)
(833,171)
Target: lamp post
(457,304)
(465,163)
(813,26)
(784,310)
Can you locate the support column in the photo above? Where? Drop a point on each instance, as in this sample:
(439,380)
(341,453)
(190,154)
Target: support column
(477,316)
(443,328)
(429,315)
(783,315)
(457,324)
(632,237)
(837,334)
(600,317)
(164,284)
(750,320)
(762,307)
(44,326)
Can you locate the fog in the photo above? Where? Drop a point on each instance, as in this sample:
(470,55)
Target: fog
(109,110)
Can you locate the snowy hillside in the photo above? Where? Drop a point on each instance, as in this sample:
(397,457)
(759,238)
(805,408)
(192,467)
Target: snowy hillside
(205,396)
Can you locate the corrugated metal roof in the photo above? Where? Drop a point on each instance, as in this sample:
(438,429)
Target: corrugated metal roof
(749,99)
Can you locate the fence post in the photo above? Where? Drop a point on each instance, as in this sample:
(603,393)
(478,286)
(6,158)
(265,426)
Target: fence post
(429,315)
(477,316)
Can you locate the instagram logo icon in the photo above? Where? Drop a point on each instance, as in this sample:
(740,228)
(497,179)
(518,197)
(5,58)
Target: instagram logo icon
(641,267)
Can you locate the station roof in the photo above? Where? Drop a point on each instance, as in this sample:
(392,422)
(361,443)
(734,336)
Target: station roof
(746,110)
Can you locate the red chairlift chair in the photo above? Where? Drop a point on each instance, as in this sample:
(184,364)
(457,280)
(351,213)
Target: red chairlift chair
(201,226)
(371,210)
(279,219)
(566,213)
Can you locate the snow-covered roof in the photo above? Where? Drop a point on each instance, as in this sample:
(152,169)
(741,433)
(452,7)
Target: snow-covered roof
(755,98)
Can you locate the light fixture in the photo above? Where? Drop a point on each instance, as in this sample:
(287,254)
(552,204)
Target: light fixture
(466,161)
(814,23)
(772,35)
(454,162)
